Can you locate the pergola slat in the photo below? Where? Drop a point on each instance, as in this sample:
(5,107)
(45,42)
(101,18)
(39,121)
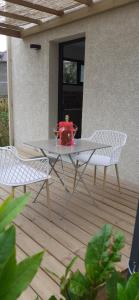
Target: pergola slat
(70,13)
(10,32)
(76,15)
(86,2)
(10,26)
(19,17)
(37,7)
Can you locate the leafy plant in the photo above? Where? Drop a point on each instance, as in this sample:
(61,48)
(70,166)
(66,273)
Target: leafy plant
(120,289)
(4,122)
(14,277)
(101,254)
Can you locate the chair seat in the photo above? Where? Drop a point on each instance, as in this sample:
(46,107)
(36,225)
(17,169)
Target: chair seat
(98,160)
(21,174)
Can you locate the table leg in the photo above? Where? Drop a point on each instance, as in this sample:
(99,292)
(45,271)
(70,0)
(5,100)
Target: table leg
(53,169)
(81,174)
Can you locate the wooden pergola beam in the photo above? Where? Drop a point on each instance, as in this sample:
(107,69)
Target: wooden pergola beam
(19,17)
(76,15)
(10,32)
(37,7)
(86,2)
(10,26)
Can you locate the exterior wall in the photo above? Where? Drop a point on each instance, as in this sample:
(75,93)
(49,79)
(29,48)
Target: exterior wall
(111,94)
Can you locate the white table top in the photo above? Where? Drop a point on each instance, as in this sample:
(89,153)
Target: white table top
(81,145)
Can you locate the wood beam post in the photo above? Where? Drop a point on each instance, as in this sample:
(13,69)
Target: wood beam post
(10,91)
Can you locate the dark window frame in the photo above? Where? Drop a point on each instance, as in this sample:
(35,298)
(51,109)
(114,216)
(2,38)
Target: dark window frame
(60,77)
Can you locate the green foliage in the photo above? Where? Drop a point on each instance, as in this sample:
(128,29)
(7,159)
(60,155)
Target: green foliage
(70,72)
(101,254)
(119,289)
(20,276)
(10,208)
(80,287)
(111,285)
(14,277)
(4,122)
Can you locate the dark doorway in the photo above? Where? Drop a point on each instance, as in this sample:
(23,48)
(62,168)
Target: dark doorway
(71,77)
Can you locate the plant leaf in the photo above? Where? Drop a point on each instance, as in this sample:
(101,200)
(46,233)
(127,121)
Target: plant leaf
(79,284)
(24,274)
(52,273)
(8,273)
(64,280)
(98,253)
(7,245)
(132,287)
(111,285)
(121,295)
(10,208)
(137,297)
(68,268)
(119,241)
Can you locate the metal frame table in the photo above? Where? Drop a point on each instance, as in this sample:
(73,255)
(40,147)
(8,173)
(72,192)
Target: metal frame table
(52,147)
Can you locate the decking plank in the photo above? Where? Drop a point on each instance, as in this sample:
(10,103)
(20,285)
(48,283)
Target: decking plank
(127,186)
(28,294)
(31,247)
(41,283)
(68,236)
(111,190)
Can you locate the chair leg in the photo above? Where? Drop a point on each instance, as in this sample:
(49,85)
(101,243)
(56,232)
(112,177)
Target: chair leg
(105,173)
(76,169)
(13,191)
(48,199)
(95,173)
(118,178)
(25,189)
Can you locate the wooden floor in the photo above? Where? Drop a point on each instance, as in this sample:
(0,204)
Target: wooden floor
(65,238)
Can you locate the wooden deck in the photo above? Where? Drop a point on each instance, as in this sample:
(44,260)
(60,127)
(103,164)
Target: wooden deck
(65,238)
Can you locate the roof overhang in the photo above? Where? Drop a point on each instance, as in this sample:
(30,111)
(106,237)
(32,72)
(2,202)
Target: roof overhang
(21,18)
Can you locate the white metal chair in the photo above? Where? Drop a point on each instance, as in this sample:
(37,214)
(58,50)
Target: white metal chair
(16,171)
(107,156)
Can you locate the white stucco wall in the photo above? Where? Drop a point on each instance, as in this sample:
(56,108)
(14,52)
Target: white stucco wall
(111,92)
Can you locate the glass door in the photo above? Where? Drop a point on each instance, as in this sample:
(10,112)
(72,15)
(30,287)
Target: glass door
(71,76)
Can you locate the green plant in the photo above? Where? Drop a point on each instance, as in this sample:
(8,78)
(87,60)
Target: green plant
(101,254)
(14,277)
(4,122)
(122,289)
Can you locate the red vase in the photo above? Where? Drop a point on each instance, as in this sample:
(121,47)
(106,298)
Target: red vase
(66,133)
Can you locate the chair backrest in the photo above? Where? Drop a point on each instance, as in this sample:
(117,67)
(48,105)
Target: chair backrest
(14,169)
(115,139)
(8,159)
(7,156)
